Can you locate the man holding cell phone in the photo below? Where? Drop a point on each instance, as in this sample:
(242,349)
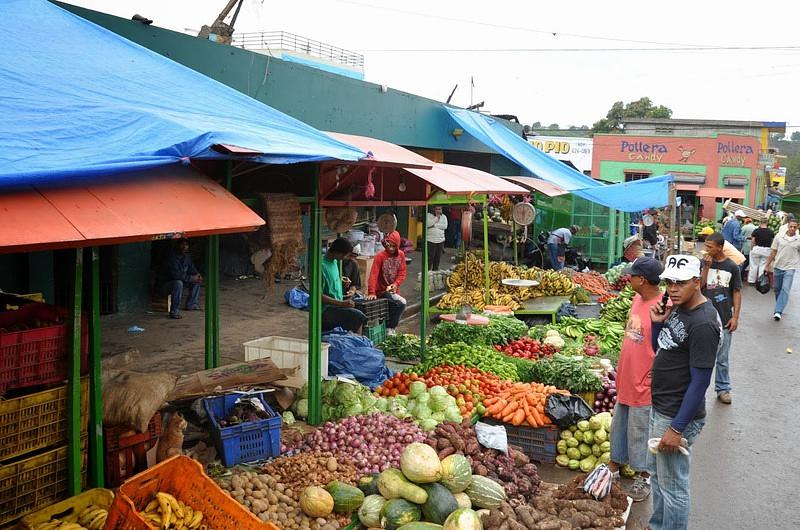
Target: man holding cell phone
(686,337)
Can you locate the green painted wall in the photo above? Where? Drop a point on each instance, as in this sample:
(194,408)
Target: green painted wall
(324,100)
(615,171)
(133,290)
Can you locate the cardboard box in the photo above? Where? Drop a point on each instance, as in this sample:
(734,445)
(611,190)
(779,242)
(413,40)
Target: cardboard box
(364,268)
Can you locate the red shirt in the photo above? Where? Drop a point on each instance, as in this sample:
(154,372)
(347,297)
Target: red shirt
(636,357)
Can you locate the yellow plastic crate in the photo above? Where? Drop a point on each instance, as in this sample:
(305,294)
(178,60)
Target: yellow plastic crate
(102,498)
(36,482)
(37,421)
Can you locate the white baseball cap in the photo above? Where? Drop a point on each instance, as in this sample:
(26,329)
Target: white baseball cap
(739,213)
(681,267)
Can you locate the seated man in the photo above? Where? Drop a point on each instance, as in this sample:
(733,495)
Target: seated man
(177,272)
(387,275)
(336,311)
(351,276)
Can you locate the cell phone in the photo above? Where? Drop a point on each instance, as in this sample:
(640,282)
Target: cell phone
(664,300)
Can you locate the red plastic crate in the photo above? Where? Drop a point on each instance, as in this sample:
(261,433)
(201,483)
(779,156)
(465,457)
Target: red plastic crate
(37,356)
(126,454)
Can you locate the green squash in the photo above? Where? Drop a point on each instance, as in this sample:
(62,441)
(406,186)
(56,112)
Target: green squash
(370,512)
(456,473)
(463,500)
(421,526)
(463,519)
(440,503)
(398,512)
(392,484)
(369,484)
(485,492)
(346,498)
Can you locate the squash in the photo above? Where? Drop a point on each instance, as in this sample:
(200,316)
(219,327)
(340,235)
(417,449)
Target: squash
(463,500)
(398,512)
(370,512)
(420,463)
(346,498)
(463,519)
(456,473)
(369,484)
(393,485)
(440,503)
(421,526)
(316,502)
(485,492)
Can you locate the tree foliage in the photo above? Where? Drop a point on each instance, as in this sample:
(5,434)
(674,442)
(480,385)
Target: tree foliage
(795,136)
(642,108)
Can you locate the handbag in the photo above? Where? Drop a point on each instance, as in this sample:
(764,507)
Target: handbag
(763,284)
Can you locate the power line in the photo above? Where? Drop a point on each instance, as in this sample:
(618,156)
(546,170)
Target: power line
(579,50)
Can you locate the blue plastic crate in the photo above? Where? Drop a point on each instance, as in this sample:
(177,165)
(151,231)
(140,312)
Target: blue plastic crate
(246,442)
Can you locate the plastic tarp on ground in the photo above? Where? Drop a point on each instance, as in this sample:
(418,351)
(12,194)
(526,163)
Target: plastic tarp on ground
(626,196)
(355,355)
(79,99)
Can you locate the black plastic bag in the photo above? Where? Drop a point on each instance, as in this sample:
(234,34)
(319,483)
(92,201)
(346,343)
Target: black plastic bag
(567,410)
(762,284)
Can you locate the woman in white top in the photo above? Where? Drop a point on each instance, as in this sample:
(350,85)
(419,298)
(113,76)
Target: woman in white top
(437,225)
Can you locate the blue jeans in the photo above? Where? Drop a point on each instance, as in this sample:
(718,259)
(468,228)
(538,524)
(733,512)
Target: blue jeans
(722,375)
(783,286)
(175,288)
(630,428)
(552,249)
(670,477)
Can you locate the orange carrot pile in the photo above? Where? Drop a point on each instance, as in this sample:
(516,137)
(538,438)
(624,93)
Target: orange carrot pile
(522,404)
(592,281)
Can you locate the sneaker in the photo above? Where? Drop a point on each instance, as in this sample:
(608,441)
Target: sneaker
(777,317)
(724,397)
(640,489)
(176,316)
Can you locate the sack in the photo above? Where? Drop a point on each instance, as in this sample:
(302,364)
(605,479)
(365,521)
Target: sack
(763,284)
(131,398)
(296,298)
(567,410)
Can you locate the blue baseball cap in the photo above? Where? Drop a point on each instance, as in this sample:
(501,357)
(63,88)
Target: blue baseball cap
(648,268)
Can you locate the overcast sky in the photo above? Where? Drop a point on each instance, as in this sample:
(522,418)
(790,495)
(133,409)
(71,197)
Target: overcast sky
(564,87)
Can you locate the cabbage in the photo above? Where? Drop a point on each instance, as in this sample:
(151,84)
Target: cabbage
(411,406)
(561,446)
(428,424)
(600,435)
(595,422)
(452,414)
(451,401)
(288,418)
(438,391)
(416,388)
(588,437)
(398,411)
(585,449)
(401,399)
(438,416)
(605,447)
(422,411)
(345,394)
(605,458)
(439,402)
(353,410)
(329,387)
(382,404)
(573,453)
(368,401)
(329,412)
(583,425)
(423,398)
(303,393)
(588,463)
(302,408)
(572,442)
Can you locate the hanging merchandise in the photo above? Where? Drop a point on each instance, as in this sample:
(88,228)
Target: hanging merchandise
(387,223)
(340,220)
(284,230)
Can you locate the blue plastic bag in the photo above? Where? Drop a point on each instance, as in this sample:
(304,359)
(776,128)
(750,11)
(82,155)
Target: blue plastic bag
(296,298)
(356,355)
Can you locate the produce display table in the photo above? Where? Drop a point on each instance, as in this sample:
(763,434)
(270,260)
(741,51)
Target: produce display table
(543,305)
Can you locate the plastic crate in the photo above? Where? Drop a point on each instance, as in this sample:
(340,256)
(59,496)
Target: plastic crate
(376,310)
(538,444)
(246,442)
(102,498)
(285,352)
(33,483)
(377,333)
(37,356)
(126,453)
(38,420)
(183,478)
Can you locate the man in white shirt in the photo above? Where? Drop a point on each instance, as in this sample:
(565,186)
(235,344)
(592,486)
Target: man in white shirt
(785,257)
(557,245)
(437,225)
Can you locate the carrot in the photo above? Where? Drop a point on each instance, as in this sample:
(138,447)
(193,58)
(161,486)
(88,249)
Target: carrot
(519,417)
(507,419)
(497,408)
(490,401)
(510,408)
(536,418)
(528,416)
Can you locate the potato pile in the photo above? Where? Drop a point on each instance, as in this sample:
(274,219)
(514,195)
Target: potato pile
(273,494)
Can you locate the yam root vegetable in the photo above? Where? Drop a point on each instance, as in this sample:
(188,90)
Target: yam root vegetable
(447,451)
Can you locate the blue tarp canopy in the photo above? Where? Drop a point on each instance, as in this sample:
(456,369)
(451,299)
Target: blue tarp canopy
(627,196)
(79,100)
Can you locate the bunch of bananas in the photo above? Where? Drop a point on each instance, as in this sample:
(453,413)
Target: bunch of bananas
(609,334)
(168,513)
(617,310)
(506,206)
(91,518)
(553,283)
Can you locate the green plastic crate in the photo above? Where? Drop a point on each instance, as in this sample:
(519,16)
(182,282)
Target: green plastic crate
(377,333)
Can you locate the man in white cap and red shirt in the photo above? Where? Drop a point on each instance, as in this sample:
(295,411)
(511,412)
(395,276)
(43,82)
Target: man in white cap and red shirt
(686,338)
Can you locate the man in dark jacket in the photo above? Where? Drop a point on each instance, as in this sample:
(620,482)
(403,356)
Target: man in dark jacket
(179,272)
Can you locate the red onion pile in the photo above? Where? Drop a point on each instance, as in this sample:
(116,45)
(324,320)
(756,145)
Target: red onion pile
(372,443)
(604,400)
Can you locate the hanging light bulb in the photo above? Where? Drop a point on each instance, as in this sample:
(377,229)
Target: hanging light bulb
(402,185)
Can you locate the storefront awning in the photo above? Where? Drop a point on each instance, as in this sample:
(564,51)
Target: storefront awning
(160,203)
(679,186)
(457,180)
(542,186)
(380,152)
(722,193)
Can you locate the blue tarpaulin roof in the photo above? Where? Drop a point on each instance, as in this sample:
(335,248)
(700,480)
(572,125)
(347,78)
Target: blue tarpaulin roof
(79,100)
(626,196)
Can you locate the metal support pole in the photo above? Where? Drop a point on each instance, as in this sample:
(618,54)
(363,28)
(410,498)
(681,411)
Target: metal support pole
(315,312)
(623,234)
(424,289)
(96,449)
(612,236)
(514,235)
(212,303)
(74,379)
(485,248)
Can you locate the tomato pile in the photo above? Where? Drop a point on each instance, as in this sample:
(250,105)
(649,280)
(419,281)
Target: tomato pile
(397,384)
(526,348)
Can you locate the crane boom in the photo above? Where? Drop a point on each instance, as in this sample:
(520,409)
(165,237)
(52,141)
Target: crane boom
(223,31)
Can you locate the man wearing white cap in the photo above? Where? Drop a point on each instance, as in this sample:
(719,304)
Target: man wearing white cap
(686,338)
(732,231)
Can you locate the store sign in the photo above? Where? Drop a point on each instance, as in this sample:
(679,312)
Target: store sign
(734,154)
(644,151)
(577,151)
